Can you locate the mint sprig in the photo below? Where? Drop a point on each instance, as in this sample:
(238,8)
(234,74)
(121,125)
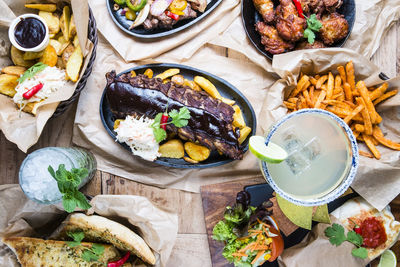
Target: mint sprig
(336,236)
(313,25)
(68,182)
(32,71)
(88,254)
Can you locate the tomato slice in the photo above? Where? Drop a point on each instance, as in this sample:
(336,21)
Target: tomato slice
(277,245)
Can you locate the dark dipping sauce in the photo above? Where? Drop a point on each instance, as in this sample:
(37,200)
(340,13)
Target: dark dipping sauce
(29,32)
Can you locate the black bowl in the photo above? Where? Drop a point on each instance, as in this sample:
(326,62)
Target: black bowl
(140,32)
(250,17)
(226,90)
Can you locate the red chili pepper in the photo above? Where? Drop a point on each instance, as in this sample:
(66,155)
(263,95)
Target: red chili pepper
(164,120)
(119,262)
(357,229)
(31,92)
(172,15)
(299,8)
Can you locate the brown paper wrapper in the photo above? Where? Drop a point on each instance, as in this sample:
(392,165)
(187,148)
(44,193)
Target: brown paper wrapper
(315,250)
(132,48)
(24,129)
(23,217)
(373,20)
(377,180)
(89,131)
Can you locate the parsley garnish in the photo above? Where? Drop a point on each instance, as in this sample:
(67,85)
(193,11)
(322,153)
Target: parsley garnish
(32,71)
(68,182)
(336,236)
(88,254)
(313,25)
(178,118)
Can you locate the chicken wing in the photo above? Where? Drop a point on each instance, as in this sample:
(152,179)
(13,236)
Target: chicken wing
(307,45)
(313,7)
(270,38)
(289,25)
(266,9)
(332,5)
(334,28)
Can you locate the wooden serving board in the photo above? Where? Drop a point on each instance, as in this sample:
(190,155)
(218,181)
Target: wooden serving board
(215,198)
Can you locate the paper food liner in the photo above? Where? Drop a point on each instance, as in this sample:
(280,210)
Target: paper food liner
(373,20)
(90,133)
(24,217)
(376,180)
(181,45)
(22,128)
(316,250)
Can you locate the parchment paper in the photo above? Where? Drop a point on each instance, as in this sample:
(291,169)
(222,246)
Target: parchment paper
(373,19)
(24,129)
(23,217)
(89,131)
(132,48)
(315,250)
(377,180)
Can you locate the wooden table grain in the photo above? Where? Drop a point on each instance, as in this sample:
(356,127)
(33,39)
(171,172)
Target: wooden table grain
(191,245)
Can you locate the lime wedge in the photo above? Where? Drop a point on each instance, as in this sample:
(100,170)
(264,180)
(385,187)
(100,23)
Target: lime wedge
(388,259)
(271,153)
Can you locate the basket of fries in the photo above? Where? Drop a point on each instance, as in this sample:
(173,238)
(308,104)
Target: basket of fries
(92,36)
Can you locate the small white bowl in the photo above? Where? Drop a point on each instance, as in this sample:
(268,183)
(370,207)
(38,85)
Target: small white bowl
(14,42)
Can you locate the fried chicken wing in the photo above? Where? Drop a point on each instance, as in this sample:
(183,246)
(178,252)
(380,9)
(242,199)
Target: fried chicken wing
(289,25)
(307,45)
(334,28)
(332,5)
(313,7)
(266,9)
(270,38)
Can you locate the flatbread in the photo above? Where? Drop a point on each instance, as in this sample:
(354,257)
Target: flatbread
(35,252)
(358,209)
(101,229)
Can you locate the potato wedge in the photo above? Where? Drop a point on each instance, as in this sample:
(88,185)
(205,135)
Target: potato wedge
(228,101)
(49,56)
(168,73)
(178,79)
(31,107)
(192,85)
(60,63)
(17,58)
(149,73)
(65,21)
(197,152)
(43,7)
(52,21)
(116,123)
(76,41)
(74,65)
(207,86)
(244,132)
(238,120)
(187,159)
(72,27)
(33,55)
(67,53)
(7,84)
(61,39)
(57,46)
(13,70)
(172,149)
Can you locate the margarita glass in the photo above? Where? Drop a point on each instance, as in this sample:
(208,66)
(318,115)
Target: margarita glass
(322,157)
(35,179)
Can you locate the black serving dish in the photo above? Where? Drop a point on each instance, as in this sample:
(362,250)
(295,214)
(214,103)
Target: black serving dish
(250,17)
(226,90)
(140,32)
(262,192)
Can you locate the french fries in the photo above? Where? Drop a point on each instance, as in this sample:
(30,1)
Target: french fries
(207,86)
(350,100)
(168,73)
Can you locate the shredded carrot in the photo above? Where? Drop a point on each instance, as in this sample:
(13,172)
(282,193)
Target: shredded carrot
(247,247)
(239,254)
(261,247)
(259,254)
(255,231)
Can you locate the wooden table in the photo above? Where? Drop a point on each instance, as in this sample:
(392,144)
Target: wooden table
(191,243)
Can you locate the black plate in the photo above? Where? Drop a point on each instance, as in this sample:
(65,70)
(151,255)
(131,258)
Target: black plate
(226,90)
(262,192)
(140,32)
(250,17)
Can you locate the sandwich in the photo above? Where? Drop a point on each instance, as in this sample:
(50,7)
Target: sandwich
(82,240)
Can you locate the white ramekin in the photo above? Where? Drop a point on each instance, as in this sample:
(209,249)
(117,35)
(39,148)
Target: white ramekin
(14,42)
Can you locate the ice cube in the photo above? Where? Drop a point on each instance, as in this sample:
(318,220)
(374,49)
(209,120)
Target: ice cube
(312,149)
(297,163)
(291,140)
